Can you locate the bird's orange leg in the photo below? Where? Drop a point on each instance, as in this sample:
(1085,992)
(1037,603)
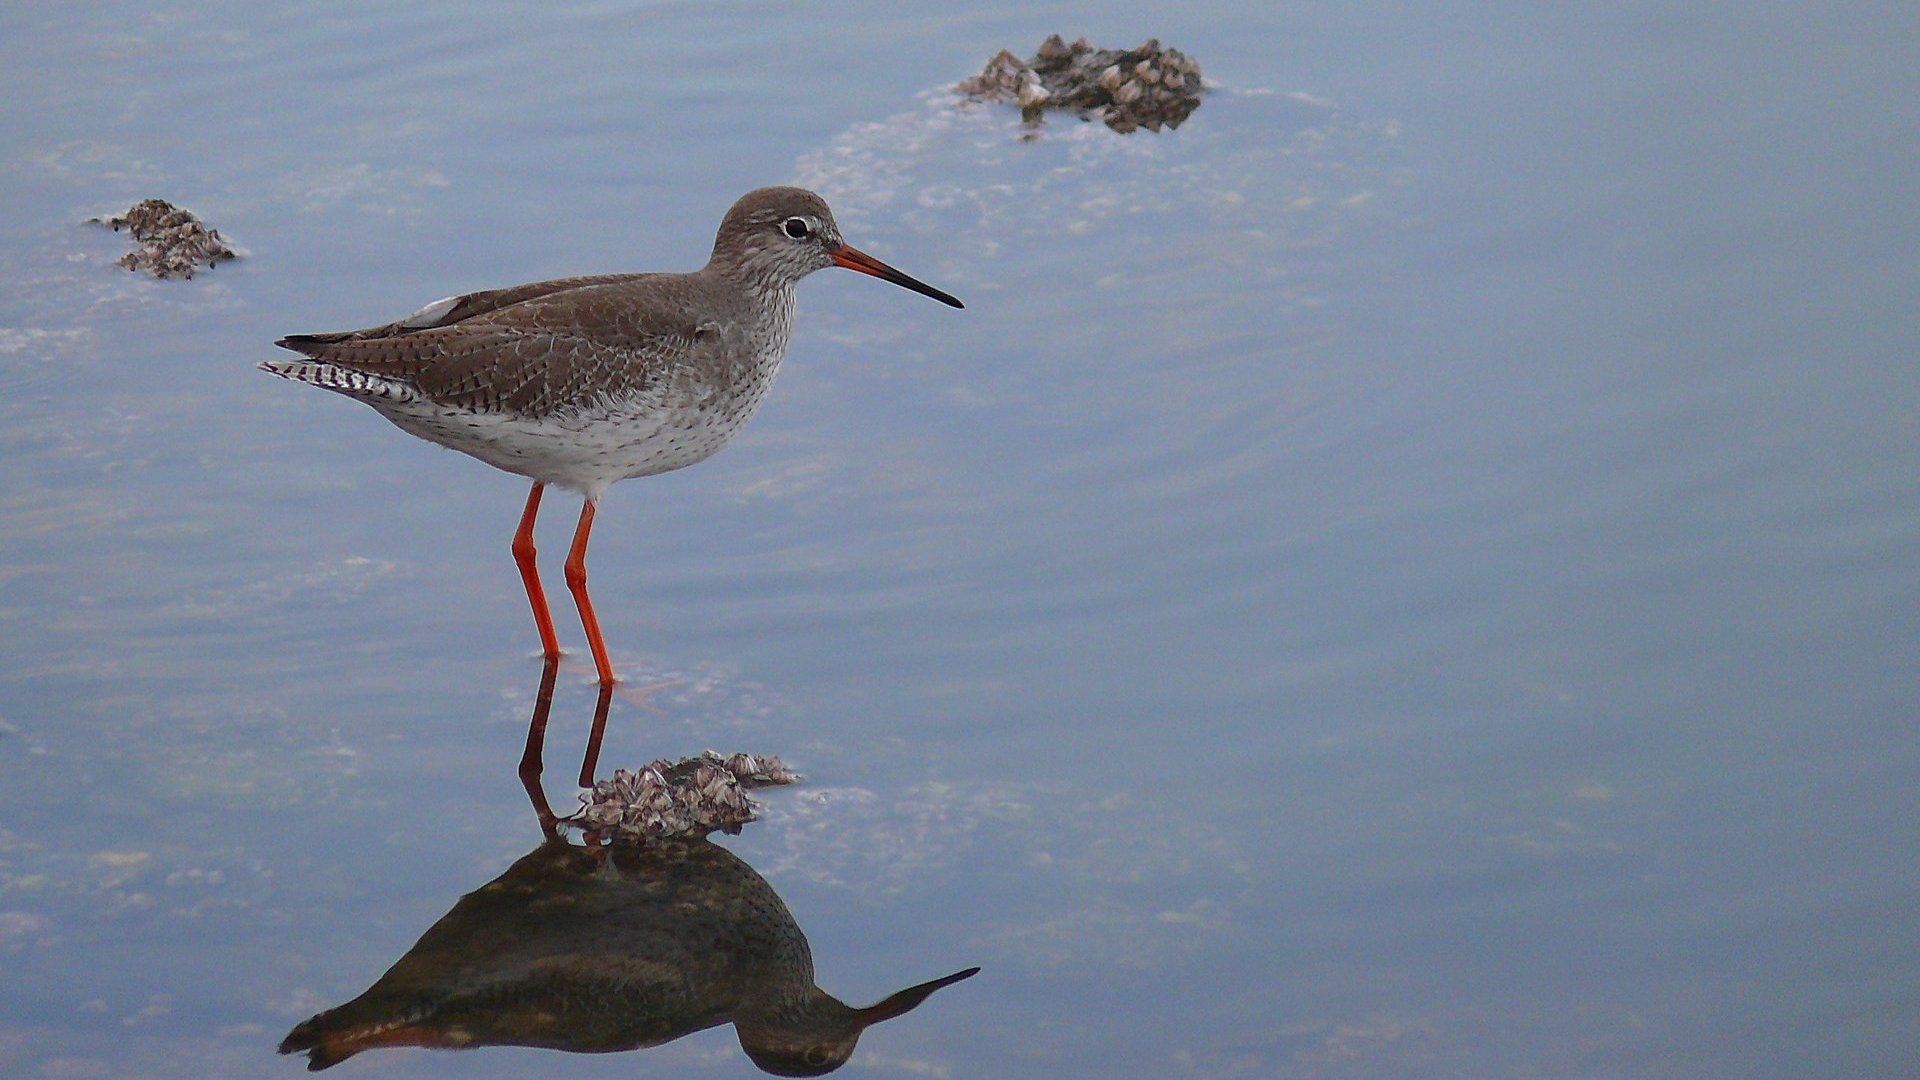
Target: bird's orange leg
(530,574)
(577,582)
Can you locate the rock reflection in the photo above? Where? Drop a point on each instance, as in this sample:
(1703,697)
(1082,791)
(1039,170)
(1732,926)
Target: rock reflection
(610,945)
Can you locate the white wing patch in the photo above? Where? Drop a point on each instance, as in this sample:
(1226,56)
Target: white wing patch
(431,314)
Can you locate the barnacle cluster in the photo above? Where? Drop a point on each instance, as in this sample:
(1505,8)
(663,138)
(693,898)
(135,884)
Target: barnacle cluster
(1144,87)
(173,243)
(690,797)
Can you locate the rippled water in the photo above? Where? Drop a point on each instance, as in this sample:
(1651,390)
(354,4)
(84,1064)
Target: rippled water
(1413,573)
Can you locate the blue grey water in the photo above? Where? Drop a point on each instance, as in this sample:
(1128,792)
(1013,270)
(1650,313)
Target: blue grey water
(1413,574)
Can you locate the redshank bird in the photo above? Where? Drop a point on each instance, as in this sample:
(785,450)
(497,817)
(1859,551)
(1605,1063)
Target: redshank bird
(583,381)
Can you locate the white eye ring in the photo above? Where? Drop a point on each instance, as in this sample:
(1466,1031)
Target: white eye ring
(796,228)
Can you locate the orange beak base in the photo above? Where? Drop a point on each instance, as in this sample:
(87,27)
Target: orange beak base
(855,259)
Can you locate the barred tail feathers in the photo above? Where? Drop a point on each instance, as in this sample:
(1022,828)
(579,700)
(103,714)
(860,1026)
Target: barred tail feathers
(340,380)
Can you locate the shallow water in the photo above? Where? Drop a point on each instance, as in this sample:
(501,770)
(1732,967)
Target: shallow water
(1413,573)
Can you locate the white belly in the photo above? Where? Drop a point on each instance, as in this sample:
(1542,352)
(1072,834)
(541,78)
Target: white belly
(593,448)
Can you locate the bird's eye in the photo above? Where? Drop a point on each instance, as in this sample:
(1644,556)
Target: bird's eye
(796,228)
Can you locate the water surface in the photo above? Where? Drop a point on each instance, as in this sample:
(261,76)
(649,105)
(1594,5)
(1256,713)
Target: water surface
(1411,574)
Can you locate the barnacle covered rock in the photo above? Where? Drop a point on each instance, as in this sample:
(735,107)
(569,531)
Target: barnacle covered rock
(690,797)
(1143,87)
(173,243)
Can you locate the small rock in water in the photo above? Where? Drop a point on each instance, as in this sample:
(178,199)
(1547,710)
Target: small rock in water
(1144,87)
(173,243)
(690,797)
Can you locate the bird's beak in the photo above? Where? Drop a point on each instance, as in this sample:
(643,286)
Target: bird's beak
(908,998)
(855,259)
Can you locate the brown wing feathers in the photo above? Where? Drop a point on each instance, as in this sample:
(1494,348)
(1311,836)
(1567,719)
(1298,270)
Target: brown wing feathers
(507,350)
(464,307)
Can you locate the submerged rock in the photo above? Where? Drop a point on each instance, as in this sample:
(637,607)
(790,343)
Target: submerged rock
(685,798)
(173,243)
(1143,87)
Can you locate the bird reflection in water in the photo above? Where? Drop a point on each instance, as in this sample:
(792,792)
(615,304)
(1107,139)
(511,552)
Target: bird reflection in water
(613,945)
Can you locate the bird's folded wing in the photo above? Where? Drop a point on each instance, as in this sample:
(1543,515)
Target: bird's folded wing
(533,349)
